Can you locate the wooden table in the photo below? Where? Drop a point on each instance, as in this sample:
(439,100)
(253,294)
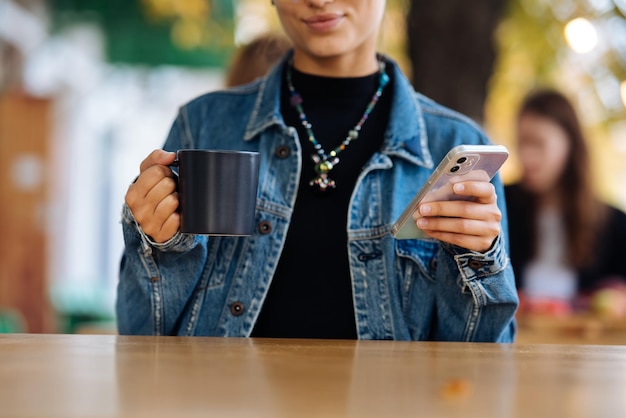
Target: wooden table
(115,376)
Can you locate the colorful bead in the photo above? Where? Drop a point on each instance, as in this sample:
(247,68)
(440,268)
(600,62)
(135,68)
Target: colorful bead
(295,99)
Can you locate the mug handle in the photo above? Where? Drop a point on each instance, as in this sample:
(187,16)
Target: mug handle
(176,164)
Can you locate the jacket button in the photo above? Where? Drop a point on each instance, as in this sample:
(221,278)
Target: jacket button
(265,227)
(282,151)
(433,264)
(475,264)
(237,308)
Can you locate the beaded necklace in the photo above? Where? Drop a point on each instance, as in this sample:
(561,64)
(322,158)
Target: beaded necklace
(324,162)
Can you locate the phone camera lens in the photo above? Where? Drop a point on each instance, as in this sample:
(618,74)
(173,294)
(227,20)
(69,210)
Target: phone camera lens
(461,160)
(455,168)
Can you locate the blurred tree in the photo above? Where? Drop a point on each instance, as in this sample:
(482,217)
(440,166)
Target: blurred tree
(194,33)
(533,51)
(452,51)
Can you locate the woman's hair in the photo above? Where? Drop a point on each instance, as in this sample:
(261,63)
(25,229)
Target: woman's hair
(254,59)
(582,211)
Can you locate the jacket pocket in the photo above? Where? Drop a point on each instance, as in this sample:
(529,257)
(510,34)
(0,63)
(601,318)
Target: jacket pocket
(415,258)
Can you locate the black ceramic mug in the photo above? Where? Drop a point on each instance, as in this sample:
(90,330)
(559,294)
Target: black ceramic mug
(217,191)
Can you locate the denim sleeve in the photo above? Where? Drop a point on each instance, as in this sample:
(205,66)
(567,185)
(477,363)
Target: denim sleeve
(156,279)
(150,296)
(484,309)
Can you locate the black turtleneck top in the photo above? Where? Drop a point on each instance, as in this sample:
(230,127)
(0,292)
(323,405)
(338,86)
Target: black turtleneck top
(311,292)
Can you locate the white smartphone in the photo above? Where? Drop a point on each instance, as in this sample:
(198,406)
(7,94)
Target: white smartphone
(461,163)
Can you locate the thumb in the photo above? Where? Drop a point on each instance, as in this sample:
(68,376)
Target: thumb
(158,157)
(165,157)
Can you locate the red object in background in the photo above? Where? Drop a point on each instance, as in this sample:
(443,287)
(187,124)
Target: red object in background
(544,306)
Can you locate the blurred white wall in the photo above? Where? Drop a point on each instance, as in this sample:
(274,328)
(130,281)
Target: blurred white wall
(107,120)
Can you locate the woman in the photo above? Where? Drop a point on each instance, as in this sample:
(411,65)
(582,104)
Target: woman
(565,242)
(345,144)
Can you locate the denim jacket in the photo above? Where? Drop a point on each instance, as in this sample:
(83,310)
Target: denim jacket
(419,289)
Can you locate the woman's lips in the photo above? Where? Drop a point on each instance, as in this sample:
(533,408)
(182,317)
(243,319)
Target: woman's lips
(324,22)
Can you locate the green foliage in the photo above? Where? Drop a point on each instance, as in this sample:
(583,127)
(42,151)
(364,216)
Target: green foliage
(154,32)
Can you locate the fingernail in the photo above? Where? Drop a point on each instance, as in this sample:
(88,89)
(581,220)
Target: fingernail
(459,188)
(425,209)
(422,222)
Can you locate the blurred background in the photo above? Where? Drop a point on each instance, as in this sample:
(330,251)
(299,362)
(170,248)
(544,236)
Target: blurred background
(89,87)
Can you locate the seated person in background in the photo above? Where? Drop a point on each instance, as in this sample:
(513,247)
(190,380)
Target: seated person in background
(566,243)
(254,59)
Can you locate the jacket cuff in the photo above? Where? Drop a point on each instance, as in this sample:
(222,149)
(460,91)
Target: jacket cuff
(178,243)
(474,264)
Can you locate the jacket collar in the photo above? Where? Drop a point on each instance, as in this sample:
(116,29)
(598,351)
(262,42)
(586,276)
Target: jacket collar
(406,135)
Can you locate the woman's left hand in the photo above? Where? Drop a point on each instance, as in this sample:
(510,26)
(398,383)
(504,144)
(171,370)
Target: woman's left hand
(472,224)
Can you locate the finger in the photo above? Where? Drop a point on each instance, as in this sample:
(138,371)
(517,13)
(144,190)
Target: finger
(460,226)
(171,226)
(482,191)
(149,179)
(166,206)
(155,174)
(168,229)
(160,225)
(460,209)
(144,204)
(470,242)
(156,179)
(157,157)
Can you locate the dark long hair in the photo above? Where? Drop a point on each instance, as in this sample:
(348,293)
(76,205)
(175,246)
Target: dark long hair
(583,213)
(256,58)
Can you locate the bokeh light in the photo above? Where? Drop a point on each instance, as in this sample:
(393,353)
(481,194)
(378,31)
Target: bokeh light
(581,35)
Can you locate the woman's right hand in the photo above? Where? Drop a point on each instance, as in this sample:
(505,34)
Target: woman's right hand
(153,199)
